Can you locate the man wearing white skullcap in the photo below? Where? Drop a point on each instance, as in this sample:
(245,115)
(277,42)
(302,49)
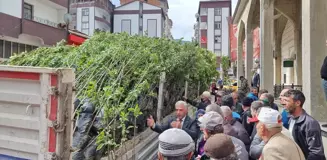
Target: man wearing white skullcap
(175,144)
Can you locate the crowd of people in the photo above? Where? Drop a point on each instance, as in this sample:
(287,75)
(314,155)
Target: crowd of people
(243,125)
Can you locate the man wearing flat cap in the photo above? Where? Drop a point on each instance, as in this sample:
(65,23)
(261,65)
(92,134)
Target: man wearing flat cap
(220,146)
(175,144)
(211,124)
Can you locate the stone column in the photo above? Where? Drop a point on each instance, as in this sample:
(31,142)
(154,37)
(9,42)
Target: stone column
(298,53)
(314,35)
(240,71)
(266,45)
(249,54)
(278,62)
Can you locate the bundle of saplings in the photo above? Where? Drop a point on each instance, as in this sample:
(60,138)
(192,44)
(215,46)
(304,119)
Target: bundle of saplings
(117,79)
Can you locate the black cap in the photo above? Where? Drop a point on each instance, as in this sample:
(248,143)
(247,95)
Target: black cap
(247,101)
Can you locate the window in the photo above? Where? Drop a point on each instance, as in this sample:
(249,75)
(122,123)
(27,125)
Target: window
(85,12)
(28,48)
(217,52)
(152,28)
(203,11)
(85,31)
(217,32)
(217,25)
(217,18)
(217,39)
(21,48)
(218,46)
(14,48)
(85,21)
(28,11)
(203,25)
(126,26)
(1,48)
(217,11)
(85,25)
(7,49)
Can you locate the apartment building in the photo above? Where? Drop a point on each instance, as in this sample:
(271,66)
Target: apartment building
(139,18)
(152,2)
(91,15)
(212,27)
(163,4)
(28,24)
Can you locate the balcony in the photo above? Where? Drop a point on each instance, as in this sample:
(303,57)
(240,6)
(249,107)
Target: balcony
(42,21)
(44,29)
(63,3)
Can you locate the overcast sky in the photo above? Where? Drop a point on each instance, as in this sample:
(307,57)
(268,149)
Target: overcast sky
(183,16)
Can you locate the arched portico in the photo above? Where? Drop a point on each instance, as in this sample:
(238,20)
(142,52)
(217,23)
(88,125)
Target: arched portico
(283,23)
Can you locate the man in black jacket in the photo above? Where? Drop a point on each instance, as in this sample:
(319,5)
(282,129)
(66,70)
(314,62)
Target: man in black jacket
(247,114)
(181,120)
(323,73)
(305,129)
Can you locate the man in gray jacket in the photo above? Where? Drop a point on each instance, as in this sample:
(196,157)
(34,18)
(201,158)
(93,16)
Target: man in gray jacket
(305,129)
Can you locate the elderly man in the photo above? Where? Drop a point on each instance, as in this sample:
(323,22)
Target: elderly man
(238,127)
(227,100)
(205,101)
(278,146)
(267,97)
(175,144)
(212,123)
(181,121)
(228,128)
(305,129)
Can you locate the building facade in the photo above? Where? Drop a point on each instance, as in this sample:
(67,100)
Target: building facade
(138,18)
(163,4)
(91,15)
(152,2)
(212,27)
(28,24)
(292,45)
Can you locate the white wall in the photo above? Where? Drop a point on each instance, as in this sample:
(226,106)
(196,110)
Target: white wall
(287,51)
(11,7)
(134,22)
(99,12)
(47,10)
(101,25)
(131,6)
(149,7)
(210,30)
(91,20)
(225,32)
(158,17)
